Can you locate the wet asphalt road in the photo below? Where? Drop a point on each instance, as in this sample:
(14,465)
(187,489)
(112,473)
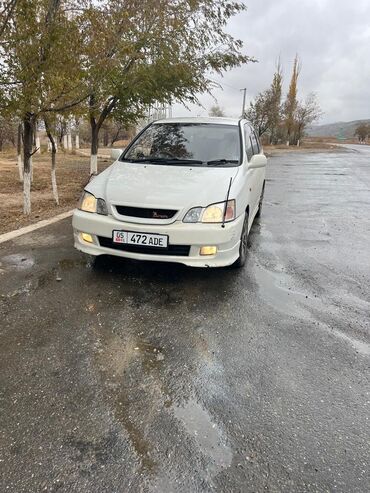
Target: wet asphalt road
(130,377)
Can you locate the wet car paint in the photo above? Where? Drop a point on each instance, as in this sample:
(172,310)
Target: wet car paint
(120,376)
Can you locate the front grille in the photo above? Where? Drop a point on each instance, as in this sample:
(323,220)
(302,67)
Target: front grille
(145,213)
(175,250)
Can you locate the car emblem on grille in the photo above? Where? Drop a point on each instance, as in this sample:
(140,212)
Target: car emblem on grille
(156,215)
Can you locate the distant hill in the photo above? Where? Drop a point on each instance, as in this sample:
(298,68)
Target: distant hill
(338,129)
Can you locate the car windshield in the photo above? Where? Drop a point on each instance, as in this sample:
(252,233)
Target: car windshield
(201,144)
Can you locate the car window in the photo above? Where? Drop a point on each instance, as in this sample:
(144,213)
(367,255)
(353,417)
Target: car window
(248,143)
(258,142)
(254,142)
(167,143)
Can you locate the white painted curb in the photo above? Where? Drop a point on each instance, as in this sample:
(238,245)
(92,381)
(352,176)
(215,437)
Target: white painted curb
(32,227)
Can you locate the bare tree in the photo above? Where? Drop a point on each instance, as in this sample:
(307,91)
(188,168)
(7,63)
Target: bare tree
(274,110)
(258,112)
(291,103)
(306,113)
(216,111)
(265,111)
(362,132)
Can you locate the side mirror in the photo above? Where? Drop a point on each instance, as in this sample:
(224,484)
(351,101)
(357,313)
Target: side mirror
(257,161)
(115,153)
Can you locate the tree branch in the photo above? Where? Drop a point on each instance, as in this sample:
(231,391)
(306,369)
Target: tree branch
(11,7)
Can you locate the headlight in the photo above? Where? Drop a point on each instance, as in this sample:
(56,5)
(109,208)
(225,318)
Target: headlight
(89,203)
(193,215)
(212,214)
(215,213)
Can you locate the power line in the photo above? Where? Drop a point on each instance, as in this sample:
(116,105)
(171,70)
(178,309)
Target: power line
(224,84)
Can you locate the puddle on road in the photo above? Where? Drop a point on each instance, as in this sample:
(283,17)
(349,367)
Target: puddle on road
(134,402)
(25,289)
(18,261)
(361,347)
(199,425)
(275,288)
(136,432)
(71,263)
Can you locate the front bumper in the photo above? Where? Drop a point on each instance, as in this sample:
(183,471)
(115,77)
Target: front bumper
(196,235)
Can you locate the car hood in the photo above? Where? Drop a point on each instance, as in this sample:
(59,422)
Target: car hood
(147,185)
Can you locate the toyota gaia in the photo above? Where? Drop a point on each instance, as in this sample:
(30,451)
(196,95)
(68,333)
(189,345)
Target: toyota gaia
(185,190)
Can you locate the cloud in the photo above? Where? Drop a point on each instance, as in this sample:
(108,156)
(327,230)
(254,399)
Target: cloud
(332,38)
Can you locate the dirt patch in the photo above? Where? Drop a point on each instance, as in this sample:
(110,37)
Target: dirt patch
(72,175)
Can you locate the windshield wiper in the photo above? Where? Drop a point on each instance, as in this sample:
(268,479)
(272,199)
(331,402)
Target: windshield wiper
(220,162)
(164,160)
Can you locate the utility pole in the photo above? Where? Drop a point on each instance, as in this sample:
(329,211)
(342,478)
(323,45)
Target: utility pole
(244,96)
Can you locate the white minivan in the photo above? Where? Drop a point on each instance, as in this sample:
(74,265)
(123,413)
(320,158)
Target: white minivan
(185,190)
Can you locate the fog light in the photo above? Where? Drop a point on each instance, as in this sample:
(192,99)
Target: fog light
(86,237)
(208,250)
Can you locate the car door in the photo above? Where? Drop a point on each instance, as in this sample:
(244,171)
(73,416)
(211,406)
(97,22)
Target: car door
(252,147)
(261,172)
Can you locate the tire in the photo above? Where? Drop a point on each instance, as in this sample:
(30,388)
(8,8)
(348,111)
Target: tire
(259,211)
(243,248)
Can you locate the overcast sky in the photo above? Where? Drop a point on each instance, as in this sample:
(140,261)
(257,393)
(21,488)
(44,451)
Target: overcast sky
(332,38)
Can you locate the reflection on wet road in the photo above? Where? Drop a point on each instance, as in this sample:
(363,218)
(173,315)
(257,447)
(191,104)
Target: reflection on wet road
(121,376)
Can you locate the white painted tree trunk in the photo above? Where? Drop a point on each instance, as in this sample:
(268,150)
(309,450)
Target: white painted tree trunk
(65,142)
(49,147)
(27,193)
(287,143)
(298,143)
(93,164)
(38,145)
(77,141)
(54,186)
(69,142)
(20,167)
(31,170)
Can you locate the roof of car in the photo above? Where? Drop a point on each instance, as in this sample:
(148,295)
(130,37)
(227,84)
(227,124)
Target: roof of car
(216,120)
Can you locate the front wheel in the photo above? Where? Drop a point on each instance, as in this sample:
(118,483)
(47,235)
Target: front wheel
(243,247)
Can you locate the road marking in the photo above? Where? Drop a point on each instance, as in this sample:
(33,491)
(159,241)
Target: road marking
(32,227)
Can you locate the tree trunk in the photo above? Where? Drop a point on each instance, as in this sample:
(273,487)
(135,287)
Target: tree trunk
(94,148)
(38,144)
(95,128)
(65,142)
(53,176)
(53,162)
(69,141)
(27,158)
(115,137)
(77,141)
(19,152)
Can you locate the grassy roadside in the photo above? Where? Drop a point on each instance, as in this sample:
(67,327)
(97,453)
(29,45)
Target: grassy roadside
(307,146)
(72,175)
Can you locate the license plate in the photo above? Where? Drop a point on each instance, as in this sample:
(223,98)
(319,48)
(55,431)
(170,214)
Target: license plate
(142,239)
